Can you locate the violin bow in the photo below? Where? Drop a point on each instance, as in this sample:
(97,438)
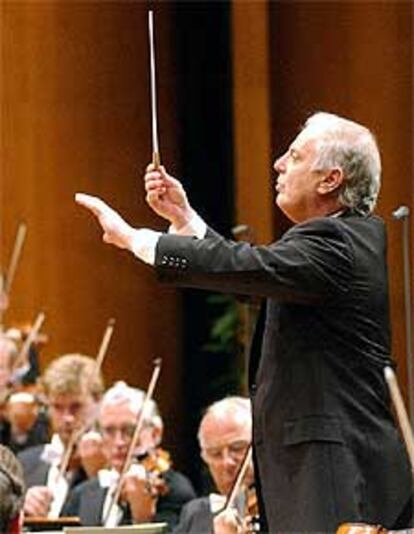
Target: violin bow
(6,280)
(156,160)
(134,441)
(23,354)
(239,479)
(401,412)
(103,349)
(17,250)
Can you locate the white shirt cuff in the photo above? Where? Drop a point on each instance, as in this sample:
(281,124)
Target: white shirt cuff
(196,227)
(144,244)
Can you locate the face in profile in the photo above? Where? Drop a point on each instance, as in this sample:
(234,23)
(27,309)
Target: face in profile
(297,182)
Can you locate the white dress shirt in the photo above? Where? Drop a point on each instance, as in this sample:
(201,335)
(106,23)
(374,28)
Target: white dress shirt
(145,241)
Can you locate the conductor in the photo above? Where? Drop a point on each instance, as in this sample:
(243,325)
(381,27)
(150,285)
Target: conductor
(326,448)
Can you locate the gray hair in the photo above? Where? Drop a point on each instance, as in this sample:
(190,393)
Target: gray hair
(121,393)
(11,488)
(351,147)
(235,407)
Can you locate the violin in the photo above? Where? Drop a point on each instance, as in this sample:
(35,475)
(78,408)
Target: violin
(251,521)
(156,462)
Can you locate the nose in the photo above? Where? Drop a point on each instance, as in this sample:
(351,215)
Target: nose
(68,417)
(119,438)
(227,458)
(280,164)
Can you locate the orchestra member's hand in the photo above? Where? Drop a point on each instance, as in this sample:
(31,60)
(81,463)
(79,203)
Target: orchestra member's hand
(136,492)
(91,454)
(227,522)
(166,196)
(116,231)
(37,501)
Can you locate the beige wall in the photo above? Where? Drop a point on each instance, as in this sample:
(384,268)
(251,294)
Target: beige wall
(75,117)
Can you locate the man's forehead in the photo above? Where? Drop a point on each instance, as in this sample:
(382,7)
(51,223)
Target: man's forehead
(219,430)
(306,138)
(68,397)
(118,410)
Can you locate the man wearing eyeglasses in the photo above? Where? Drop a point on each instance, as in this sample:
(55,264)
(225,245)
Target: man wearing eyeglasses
(73,390)
(144,497)
(224,436)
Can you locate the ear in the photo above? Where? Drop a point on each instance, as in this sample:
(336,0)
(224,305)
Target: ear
(156,434)
(331,181)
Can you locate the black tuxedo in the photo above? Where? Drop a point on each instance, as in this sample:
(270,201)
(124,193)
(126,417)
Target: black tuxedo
(195,518)
(86,501)
(326,447)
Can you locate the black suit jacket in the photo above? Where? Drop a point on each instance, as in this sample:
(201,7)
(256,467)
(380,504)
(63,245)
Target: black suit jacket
(326,447)
(87,500)
(195,518)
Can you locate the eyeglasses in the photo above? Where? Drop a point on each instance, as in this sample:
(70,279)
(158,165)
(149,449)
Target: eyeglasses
(235,450)
(126,431)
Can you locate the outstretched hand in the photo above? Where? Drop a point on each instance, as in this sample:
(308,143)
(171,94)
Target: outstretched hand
(116,231)
(167,197)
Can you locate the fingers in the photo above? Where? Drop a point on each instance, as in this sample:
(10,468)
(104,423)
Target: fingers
(153,197)
(95,204)
(37,501)
(159,179)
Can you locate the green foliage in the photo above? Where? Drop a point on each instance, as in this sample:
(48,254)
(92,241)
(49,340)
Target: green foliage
(225,324)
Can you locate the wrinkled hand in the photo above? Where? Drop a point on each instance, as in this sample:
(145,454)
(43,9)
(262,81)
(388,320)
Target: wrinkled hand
(227,522)
(116,231)
(166,196)
(91,454)
(135,490)
(37,501)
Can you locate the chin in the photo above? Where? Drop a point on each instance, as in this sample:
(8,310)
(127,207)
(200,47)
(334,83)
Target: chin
(284,208)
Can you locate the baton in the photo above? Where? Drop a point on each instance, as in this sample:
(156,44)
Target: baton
(155,146)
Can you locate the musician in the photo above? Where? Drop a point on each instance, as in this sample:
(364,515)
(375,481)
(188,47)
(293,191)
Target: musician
(22,422)
(73,389)
(90,501)
(224,435)
(11,492)
(26,423)
(325,444)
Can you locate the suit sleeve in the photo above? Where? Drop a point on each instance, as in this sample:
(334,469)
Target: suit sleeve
(312,262)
